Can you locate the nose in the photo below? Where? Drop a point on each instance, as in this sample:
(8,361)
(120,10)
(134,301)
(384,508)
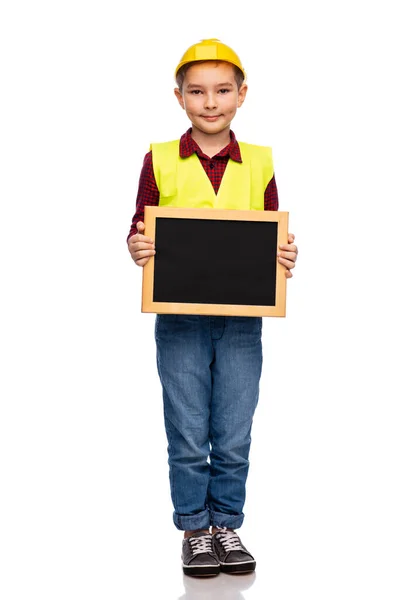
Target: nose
(210,101)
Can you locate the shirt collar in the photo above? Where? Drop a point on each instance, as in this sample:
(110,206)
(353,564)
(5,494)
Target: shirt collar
(188,146)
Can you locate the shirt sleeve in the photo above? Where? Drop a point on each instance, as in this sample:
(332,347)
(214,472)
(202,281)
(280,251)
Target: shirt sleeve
(148,193)
(271,196)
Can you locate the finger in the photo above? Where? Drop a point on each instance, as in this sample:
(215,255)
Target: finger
(288,255)
(139,239)
(289,248)
(291,238)
(288,274)
(142,262)
(290,264)
(140,226)
(142,246)
(142,254)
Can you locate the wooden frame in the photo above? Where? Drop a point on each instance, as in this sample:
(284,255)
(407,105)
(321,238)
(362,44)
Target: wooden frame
(277,308)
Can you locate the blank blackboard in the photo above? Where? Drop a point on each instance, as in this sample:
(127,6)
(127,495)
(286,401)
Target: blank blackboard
(216,262)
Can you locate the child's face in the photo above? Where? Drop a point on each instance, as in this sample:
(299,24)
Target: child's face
(210,96)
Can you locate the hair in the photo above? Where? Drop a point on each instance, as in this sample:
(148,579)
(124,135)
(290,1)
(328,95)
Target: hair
(180,76)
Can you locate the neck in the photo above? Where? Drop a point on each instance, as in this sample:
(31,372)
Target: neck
(211,144)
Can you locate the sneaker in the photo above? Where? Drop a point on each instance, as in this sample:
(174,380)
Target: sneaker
(198,556)
(232,554)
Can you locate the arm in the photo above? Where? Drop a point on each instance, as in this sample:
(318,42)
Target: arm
(288,252)
(141,248)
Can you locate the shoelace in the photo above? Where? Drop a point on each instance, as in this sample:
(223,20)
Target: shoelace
(201,544)
(229,539)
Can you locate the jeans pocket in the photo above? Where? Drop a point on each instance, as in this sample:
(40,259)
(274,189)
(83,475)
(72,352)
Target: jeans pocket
(164,323)
(249,324)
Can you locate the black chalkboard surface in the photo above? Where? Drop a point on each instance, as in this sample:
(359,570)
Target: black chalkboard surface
(215,262)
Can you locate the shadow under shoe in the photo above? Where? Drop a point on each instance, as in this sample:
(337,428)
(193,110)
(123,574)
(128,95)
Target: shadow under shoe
(233,556)
(224,587)
(198,556)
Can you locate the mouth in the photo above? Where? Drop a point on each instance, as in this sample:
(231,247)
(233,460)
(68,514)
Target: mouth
(210,118)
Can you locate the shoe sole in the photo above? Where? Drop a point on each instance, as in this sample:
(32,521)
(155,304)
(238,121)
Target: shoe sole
(199,571)
(238,568)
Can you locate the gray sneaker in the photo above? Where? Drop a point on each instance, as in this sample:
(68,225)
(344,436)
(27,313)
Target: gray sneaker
(198,556)
(232,554)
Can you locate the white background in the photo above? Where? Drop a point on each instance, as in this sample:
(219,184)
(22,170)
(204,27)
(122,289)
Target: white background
(85,509)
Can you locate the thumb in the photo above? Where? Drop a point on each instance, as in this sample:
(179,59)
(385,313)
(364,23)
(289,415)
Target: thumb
(140,226)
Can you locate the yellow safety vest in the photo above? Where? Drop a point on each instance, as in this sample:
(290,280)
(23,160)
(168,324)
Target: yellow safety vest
(183,182)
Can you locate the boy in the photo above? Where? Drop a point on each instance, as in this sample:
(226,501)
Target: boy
(209,367)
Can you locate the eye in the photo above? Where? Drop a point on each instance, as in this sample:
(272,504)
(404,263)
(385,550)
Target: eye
(195,92)
(224,91)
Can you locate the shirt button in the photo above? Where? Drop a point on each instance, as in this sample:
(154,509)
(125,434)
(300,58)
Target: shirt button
(211,165)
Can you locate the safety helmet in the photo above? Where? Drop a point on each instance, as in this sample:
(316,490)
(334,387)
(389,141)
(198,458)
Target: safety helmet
(211,49)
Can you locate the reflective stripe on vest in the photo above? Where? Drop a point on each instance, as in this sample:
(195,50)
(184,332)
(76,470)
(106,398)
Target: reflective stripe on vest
(183,182)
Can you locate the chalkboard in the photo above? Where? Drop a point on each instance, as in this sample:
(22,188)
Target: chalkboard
(216,262)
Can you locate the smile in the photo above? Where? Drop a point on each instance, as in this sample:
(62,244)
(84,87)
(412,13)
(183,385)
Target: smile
(210,118)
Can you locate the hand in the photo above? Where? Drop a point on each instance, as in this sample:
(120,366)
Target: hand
(288,255)
(141,248)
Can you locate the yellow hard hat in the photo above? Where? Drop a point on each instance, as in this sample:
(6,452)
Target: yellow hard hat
(211,49)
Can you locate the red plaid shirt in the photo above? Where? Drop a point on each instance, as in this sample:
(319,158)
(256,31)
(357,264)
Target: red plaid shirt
(148,193)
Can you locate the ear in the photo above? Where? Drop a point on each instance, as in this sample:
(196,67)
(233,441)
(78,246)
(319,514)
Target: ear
(242,92)
(179,97)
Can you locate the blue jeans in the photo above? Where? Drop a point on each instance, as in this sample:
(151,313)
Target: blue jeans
(209,369)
